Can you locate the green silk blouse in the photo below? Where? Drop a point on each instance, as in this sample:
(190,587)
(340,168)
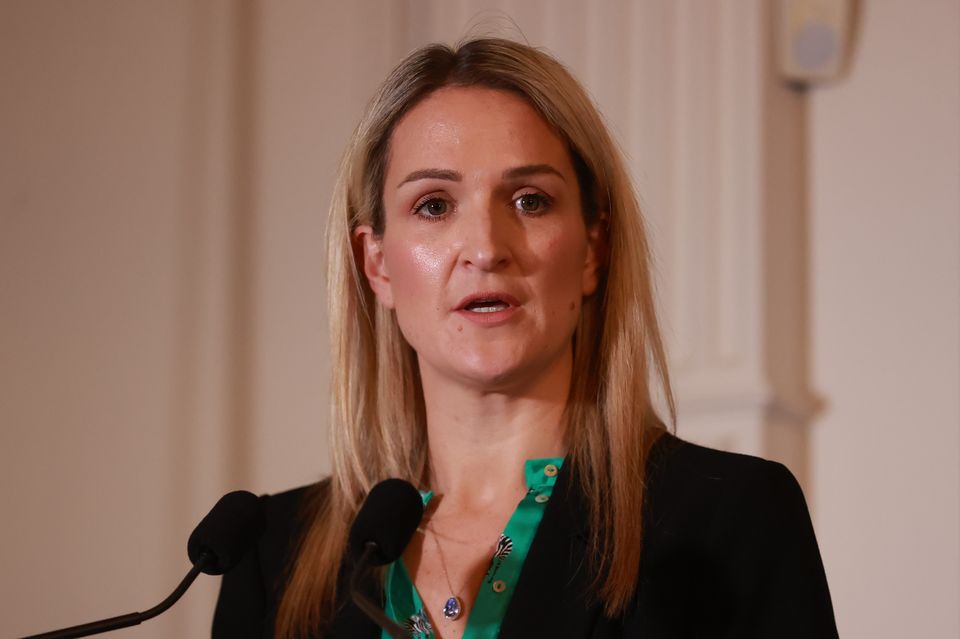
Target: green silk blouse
(403,602)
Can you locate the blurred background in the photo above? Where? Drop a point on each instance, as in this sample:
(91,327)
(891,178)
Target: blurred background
(164,174)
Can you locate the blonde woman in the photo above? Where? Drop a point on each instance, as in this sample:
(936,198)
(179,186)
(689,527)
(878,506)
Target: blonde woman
(494,343)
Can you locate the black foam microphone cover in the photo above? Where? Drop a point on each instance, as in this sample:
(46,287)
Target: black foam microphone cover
(231,527)
(388,517)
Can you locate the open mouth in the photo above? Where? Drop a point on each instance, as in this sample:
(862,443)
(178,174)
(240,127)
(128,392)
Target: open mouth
(487,303)
(486,306)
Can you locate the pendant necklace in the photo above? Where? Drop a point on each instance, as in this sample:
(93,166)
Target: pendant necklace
(453,606)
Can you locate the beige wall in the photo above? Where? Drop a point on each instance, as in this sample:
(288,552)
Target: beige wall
(885,268)
(164,169)
(97,178)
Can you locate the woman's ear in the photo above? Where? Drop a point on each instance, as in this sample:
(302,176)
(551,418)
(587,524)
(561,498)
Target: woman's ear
(374,266)
(596,253)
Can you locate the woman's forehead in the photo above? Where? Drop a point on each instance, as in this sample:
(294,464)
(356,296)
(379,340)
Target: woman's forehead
(473,129)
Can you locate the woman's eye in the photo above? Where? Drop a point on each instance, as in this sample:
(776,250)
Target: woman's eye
(532,202)
(432,208)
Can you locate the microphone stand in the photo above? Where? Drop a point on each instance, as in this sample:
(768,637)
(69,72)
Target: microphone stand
(133,618)
(360,573)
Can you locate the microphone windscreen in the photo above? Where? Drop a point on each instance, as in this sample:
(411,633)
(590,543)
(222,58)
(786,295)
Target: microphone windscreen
(231,527)
(388,517)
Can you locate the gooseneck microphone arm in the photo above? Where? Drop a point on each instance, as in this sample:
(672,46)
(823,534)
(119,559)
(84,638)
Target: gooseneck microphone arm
(378,616)
(381,530)
(215,546)
(133,618)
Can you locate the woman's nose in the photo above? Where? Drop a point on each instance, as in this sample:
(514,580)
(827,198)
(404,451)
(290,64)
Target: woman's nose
(486,238)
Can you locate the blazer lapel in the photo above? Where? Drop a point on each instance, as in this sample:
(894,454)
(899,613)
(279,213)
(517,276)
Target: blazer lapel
(553,593)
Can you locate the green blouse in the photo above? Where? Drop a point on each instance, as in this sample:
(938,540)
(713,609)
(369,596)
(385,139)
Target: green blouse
(403,602)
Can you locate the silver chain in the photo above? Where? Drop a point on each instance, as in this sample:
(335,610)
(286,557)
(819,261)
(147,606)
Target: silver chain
(443,561)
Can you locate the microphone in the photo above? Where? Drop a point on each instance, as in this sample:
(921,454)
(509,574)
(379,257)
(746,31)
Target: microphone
(381,530)
(216,545)
(231,527)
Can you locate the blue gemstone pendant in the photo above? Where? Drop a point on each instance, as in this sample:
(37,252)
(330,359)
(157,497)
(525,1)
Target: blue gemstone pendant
(452,609)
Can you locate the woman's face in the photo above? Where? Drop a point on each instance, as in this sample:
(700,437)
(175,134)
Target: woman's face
(485,256)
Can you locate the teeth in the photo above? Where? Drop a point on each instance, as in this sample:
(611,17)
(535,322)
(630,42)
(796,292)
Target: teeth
(491,306)
(489,309)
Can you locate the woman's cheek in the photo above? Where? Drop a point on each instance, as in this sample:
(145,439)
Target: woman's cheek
(413,268)
(429,261)
(417,288)
(565,254)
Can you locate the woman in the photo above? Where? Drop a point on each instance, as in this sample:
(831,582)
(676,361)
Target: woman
(494,338)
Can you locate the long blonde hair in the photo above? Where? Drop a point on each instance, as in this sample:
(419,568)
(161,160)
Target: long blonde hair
(378,427)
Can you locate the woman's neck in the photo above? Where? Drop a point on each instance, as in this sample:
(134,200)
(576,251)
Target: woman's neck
(479,440)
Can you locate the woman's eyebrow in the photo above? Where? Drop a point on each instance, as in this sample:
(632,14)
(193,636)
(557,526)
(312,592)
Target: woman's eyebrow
(531,169)
(436,174)
(446,174)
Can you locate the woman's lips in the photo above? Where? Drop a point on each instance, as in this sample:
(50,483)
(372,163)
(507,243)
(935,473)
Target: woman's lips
(489,318)
(486,296)
(488,308)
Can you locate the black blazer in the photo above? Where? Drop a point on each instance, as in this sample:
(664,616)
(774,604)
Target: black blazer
(728,551)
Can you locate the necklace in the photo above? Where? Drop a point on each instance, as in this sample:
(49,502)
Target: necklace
(453,606)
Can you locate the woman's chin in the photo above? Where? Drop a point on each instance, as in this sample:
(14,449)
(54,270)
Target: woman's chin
(496,367)
(492,380)
(499,375)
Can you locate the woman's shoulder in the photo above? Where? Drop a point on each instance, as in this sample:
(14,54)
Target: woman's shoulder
(703,497)
(289,506)
(681,472)
(249,594)
(730,535)
(679,456)
(286,515)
